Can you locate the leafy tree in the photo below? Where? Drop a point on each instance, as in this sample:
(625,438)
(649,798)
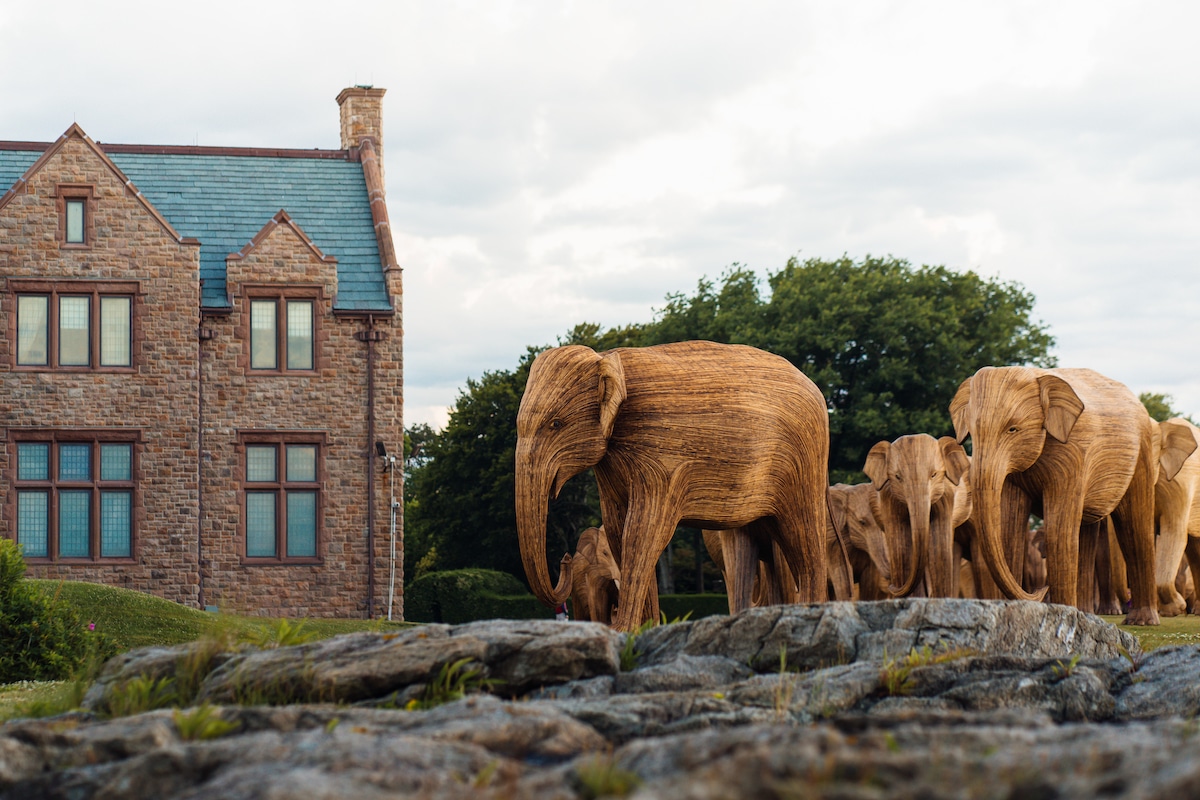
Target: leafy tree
(1159,406)
(887,343)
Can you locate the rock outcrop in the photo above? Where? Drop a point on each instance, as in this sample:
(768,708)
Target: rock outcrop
(907,698)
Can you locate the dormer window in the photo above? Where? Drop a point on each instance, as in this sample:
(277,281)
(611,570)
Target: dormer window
(283,330)
(75,214)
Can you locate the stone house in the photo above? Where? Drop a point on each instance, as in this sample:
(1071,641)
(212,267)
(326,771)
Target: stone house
(201,369)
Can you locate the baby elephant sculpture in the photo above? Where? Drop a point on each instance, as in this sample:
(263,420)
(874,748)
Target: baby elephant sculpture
(1176,507)
(595,579)
(709,435)
(917,478)
(857,511)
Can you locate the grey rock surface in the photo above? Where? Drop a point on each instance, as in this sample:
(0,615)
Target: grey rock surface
(905,699)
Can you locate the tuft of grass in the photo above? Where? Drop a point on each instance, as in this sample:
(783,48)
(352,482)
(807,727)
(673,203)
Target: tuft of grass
(139,695)
(1064,669)
(896,675)
(786,686)
(49,699)
(629,653)
(281,633)
(202,724)
(600,776)
(453,682)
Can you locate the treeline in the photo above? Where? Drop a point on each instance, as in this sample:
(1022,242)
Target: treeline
(888,344)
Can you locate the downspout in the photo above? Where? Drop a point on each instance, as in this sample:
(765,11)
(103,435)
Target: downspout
(203,334)
(370,336)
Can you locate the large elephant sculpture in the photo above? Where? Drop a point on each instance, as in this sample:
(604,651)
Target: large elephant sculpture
(595,578)
(918,477)
(1176,508)
(709,435)
(1075,444)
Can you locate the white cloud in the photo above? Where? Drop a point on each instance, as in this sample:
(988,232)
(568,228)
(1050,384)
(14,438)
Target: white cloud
(557,162)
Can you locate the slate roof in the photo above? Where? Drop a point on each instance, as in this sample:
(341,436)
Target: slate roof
(224,198)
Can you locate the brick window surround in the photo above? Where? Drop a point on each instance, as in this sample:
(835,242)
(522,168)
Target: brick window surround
(69,193)
(282,478)
(281,329)
(73,326)
(76,496)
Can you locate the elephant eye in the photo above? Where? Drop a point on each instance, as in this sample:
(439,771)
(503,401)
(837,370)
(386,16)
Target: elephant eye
(1012,429)
(555,424)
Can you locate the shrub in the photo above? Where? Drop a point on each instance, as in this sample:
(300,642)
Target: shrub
(458,596)
(41,637)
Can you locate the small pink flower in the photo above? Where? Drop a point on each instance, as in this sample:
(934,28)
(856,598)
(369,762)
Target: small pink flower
(91,626)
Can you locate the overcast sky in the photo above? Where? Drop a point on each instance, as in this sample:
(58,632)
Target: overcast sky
(550,163)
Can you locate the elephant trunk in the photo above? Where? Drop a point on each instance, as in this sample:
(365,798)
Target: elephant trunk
(988,515)
(533,493)
(917,508)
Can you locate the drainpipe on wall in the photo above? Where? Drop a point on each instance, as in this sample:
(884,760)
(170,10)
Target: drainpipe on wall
(203,335)
(370,336)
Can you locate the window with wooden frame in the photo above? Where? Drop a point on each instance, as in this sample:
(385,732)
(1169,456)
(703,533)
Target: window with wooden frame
(75,493)
(282,497)
(282,330)
(76,210)
(74,325)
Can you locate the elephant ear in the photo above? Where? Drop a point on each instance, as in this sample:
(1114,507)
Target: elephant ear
(876,466)
(1178,443)
(958,411)
(955,458)
(612,391)
(835,501)
(1060,405)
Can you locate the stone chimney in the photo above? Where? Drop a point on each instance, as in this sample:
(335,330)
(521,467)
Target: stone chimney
(362,117)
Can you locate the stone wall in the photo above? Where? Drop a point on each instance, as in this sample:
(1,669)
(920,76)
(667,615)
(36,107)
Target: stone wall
(157,398)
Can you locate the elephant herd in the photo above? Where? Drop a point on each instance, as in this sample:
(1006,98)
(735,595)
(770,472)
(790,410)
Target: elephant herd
(735,441)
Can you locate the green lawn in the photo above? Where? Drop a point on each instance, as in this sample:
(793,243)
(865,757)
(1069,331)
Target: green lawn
(1173,630)
(134,619)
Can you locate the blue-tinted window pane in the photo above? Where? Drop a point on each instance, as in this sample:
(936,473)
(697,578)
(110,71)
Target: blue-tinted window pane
(260,524)
(115,524)
(301,524)
(302,462)
(74,524)
(260,463)
(33,461)
(33,523)
(74,462)
(116,462)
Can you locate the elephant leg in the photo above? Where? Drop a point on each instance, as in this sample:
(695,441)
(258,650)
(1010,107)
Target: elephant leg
(959,563)
(1064,510)
(1110,601)
(648,529)
(800,533)
(1133,520)
(1168,555)
(740,551)
(1087,597)
(1192,551)
(1015,507)
(775,576)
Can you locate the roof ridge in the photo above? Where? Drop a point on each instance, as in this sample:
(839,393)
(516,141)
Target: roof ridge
(198,150)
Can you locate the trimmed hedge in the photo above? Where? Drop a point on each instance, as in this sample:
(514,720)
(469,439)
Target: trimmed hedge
(466,595)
